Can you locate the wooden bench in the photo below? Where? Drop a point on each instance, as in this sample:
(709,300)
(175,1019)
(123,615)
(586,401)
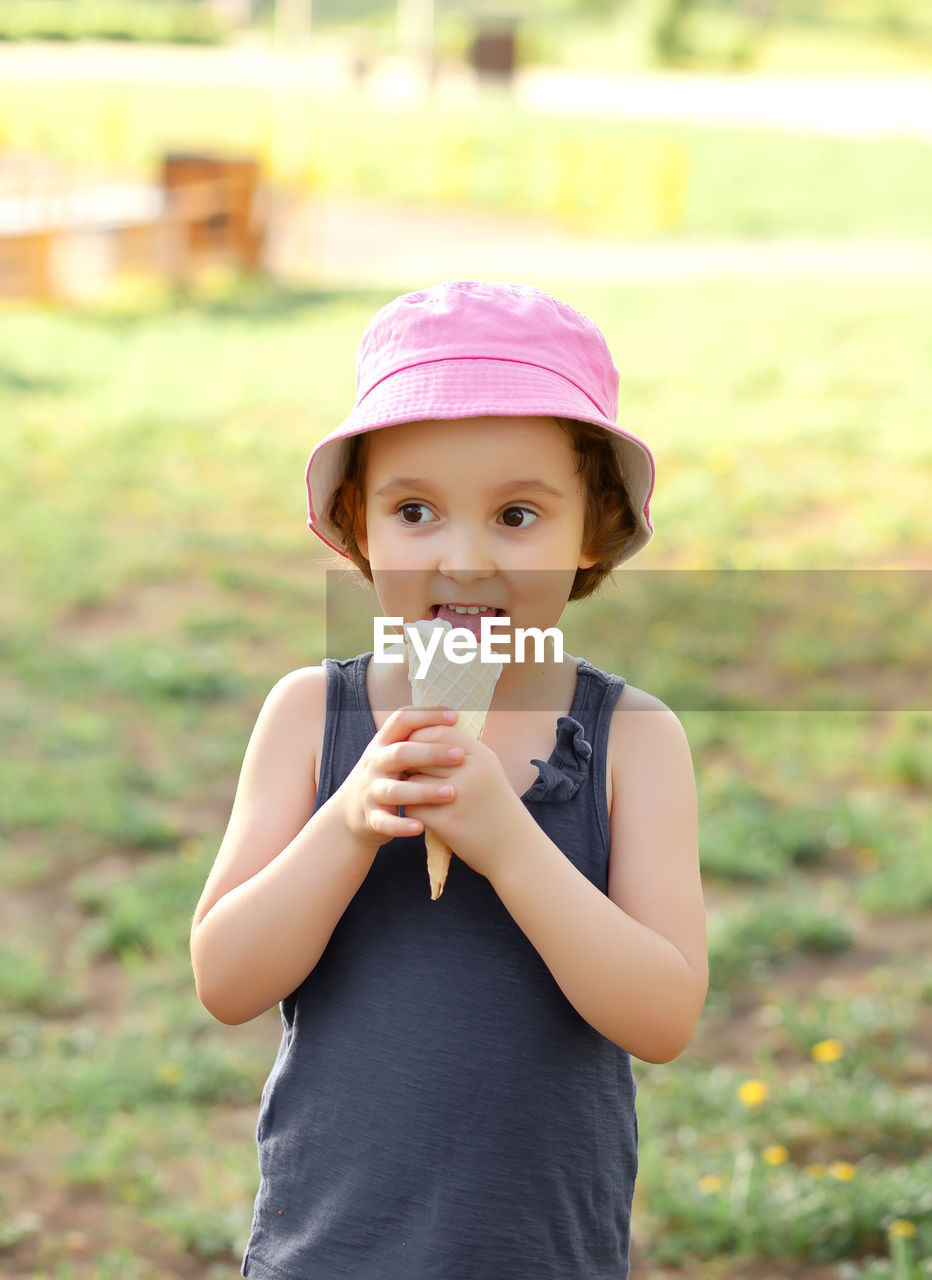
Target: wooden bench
(60,239)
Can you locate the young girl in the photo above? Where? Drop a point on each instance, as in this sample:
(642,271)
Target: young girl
(453,1096)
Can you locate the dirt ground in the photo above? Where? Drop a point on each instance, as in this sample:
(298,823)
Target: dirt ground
(344,240)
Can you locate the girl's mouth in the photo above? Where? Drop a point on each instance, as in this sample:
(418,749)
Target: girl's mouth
(472,621)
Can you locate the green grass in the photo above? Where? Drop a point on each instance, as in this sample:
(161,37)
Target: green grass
(602,177)
(179,23)
(838,40)
(152,483)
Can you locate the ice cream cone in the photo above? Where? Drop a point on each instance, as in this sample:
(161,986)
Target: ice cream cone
(468,688)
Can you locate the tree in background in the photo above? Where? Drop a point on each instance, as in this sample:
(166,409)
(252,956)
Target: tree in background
(674,26)
(668,30)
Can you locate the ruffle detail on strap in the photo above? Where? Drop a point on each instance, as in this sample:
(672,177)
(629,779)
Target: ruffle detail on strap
(562,776)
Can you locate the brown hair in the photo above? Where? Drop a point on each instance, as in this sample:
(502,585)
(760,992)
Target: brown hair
(609,524)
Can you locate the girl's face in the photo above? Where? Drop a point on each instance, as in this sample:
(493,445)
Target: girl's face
(474,511)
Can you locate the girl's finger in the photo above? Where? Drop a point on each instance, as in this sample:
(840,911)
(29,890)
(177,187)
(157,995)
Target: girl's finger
(392,826)
(406,720)
(424,791)
(402,757)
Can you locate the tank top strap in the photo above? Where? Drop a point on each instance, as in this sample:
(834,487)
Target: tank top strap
(348,727)
(602,691)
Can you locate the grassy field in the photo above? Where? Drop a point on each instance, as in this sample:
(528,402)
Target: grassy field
(599,176)
(723,38)
(161,579)
(836,39)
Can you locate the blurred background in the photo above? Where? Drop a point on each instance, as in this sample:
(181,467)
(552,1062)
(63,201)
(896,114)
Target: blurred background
(201,206)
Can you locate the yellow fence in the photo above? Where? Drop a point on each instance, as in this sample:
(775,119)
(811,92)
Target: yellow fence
(632,185)
(600,181)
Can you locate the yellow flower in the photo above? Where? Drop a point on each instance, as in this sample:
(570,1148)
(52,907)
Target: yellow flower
(753,1092)
(815,1170)
(170,1073)
(902,1227)
(776,1155)
(842,1171)
(720,458)
(827,1051)
(709,1183)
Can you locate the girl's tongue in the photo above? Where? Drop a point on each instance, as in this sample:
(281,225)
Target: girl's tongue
(472,621)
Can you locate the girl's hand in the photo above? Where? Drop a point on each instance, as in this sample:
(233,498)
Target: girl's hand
(485,816)
(381,781)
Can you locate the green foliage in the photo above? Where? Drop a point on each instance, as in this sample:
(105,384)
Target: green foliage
(747,941)
(763,1212)
(163,21)
(746,837)
(900,880)
(897,17)
(697,33)
(120,1079)
(72,774)
(732,34)
(668,34)
(204,1233)
(28,980)
(906,755)
(874,1028)
(141,912)
(816,1161)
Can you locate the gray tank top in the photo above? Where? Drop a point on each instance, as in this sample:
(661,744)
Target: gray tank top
(438,1110)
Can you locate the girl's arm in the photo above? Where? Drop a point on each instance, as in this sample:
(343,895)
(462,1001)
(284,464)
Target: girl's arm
(633,962)
(281,879)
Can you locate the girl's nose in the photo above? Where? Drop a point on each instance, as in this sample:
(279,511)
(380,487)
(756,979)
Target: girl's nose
(465,549)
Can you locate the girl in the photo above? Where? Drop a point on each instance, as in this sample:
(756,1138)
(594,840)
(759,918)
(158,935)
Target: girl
(453,1097)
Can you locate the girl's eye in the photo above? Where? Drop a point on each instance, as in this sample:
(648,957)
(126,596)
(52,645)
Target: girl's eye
(527,510)
(410,506)
(407,507)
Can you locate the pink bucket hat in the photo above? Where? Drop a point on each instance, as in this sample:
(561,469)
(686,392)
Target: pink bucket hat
(472,348)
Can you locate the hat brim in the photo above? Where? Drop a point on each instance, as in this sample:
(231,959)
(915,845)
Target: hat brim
(455,389)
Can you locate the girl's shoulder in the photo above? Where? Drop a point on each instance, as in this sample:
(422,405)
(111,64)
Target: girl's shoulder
(630,699)
(633,735)
(304,688)
(633,699)
(303,678)
(294,713)
(631,728)
(277,785)
(296,704)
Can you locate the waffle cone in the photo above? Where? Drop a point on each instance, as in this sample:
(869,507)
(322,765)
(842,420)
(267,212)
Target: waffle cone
(468,688)
(438,862)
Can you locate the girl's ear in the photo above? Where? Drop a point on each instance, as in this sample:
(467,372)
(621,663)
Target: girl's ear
(586,561)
